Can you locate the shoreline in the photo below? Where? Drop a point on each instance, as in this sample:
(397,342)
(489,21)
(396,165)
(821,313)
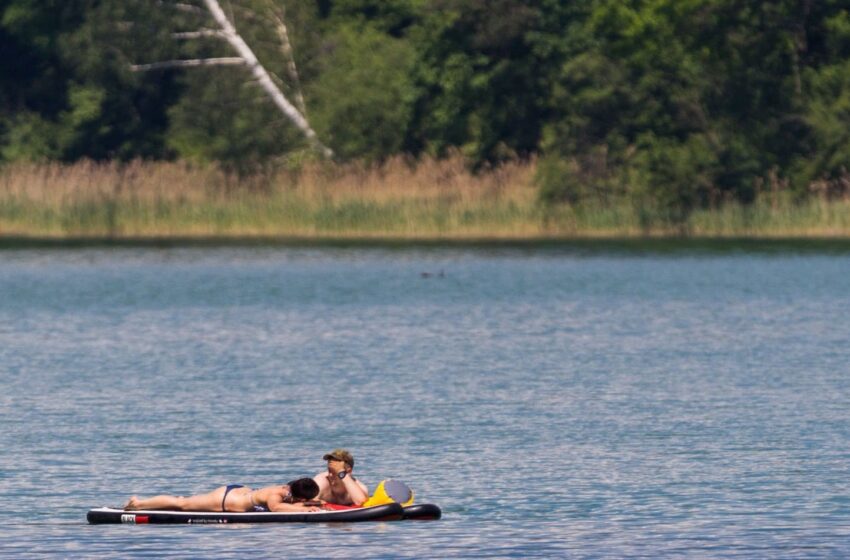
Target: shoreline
(628,244)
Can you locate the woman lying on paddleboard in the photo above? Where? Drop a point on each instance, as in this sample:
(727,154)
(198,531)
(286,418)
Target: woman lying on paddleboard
(293,496)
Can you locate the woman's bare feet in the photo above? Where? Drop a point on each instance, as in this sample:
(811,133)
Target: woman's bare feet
(132,503)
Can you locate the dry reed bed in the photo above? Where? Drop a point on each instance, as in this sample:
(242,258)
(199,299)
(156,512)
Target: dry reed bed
(428,199)
(397,179)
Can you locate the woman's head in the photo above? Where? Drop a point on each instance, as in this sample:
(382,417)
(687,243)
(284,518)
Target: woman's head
(303,489)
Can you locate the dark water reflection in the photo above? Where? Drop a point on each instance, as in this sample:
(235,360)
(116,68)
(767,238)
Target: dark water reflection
(579,401)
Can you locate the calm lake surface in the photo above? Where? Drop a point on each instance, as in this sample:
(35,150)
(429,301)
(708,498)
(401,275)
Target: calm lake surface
(574,401)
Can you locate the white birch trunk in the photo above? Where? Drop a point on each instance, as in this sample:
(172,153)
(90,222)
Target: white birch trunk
(263,78)
(286,48)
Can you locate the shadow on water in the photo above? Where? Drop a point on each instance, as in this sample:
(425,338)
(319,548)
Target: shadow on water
(623,246)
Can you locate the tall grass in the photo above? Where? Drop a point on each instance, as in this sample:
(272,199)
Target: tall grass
(433,199)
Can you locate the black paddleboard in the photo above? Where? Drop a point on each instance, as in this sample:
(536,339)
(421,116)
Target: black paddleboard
(423,512)
(388,512)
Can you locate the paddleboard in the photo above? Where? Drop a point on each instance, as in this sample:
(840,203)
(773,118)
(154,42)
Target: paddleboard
(106,515)
(423,512)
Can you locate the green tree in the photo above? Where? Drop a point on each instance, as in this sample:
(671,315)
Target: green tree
(363,98)
(482,77)
(688,99)
(68,92)
(826,86)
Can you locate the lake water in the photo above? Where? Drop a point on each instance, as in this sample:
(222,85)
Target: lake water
(555,401)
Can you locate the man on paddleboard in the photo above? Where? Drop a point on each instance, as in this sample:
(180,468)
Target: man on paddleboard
(293,496)
(337,485)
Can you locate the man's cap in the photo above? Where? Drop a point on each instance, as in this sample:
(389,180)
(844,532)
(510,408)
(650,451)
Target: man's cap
(340,455)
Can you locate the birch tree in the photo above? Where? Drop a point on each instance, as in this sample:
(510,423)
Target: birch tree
(226,31)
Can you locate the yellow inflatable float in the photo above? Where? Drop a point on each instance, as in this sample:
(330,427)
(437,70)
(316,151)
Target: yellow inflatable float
(391,491)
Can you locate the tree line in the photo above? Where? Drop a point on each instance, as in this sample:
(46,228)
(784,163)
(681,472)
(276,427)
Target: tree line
(677,104)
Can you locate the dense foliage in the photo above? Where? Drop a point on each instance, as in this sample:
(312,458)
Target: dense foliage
(675,104)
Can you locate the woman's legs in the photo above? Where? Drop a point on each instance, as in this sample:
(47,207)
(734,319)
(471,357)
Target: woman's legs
(211,501)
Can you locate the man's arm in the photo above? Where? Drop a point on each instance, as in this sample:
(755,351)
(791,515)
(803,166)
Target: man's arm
(357,491)
(330,485)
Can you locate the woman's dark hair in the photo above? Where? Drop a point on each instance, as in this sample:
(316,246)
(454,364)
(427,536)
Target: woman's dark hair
(303,488)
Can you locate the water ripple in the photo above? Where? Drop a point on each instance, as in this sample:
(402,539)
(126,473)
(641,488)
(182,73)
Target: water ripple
(554,404)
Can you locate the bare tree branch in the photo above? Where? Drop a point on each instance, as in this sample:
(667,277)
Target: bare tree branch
(189,8)
(227,61)
(262,76)
(247,57)
(198,34)
(246,13)
(286,47)
(183,7)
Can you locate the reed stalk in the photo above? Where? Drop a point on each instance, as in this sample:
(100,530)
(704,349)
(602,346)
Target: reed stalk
(432,199)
